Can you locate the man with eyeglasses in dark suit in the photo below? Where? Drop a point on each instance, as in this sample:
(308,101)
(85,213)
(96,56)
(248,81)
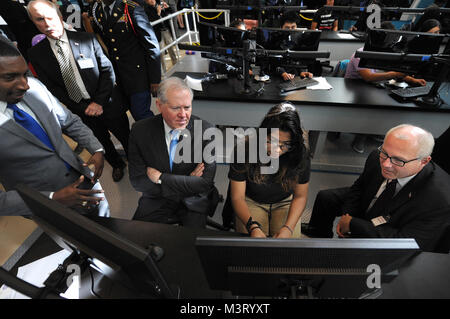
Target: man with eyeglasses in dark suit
(400,194)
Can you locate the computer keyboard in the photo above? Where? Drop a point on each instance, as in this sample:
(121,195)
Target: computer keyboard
(411,92)
(296,83)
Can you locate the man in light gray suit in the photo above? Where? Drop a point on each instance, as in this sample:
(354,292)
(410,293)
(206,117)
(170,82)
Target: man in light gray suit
(33,150)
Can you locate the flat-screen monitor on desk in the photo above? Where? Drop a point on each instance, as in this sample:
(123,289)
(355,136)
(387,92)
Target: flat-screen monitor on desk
(405,43)
(132,264)
(294,40)
(280,267)
(221,36)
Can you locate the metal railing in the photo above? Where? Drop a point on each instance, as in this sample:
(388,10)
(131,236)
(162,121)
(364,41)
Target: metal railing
(188,34)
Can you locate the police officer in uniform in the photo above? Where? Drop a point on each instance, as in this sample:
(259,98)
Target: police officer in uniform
(133,49)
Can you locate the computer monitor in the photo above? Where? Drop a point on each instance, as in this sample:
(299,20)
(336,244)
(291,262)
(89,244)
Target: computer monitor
(132,265)
(279,267)
(294,40)
(403,42)
(285,3)
(394,41)
(221,36)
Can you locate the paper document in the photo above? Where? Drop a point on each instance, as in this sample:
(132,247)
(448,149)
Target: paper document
(346,36)
(322,85)
(194,84)
(37,272)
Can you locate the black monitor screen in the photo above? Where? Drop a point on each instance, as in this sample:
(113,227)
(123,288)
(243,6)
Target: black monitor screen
(221,36)
(294,40)
(380,40)
(282,2)
(131,263)
(403,42)
(272,267)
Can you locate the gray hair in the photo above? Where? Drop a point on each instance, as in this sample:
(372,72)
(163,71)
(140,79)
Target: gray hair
(172,83)
(50,4)
(424,139)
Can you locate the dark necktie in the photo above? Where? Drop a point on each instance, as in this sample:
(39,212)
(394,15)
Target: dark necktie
(173,146)
(381,205)
(29,123)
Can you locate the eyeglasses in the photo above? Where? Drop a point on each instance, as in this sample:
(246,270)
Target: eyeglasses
(285,147)
(394,160)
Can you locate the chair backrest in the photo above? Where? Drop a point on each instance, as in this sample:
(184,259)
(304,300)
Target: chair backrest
(341,67)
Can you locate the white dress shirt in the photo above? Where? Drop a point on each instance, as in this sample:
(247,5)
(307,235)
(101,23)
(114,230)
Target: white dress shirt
(7,114)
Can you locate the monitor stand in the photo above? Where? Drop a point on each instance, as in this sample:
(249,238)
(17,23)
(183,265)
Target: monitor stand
(432,99)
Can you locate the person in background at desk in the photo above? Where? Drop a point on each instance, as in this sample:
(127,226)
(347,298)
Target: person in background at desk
(272,204)
(324,19)
(361,23)
(173,191)
(400,194)
(289,22)
(224,68)
(431,26)
(353,71)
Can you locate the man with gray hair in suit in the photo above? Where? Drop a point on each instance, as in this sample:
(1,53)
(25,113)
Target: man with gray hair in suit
(35,153)
(400,194)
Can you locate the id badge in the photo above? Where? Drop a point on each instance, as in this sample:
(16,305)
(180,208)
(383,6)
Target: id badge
(85,63)
(380,220)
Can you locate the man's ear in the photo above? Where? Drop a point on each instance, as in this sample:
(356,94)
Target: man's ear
(158,105)
(425,160)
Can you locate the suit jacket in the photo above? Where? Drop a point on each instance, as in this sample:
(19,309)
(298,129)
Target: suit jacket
(98,80)
(132,45)
(176,185)
(27,160)
(417,211)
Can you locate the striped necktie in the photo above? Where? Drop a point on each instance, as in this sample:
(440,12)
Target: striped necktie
(67,72)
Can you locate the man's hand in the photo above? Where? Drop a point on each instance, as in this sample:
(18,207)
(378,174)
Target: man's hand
(154,89)
(71,195)
(198,171)
(94,109)
(153,174)
(306,75)
(343,226)
(98,161)
(287,76)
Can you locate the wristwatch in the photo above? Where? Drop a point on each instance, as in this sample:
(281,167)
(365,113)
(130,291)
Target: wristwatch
(249,224)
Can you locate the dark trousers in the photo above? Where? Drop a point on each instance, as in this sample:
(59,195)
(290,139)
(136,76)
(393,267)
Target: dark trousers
(169,212)
(140,105)
(119,126)
(327,206)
